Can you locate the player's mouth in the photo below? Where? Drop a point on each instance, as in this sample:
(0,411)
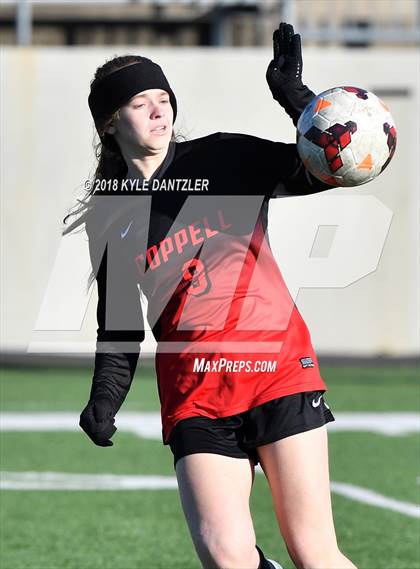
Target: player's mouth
(159,130)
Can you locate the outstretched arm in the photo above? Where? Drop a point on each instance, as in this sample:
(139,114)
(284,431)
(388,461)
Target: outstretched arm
(274,169)
(284,73)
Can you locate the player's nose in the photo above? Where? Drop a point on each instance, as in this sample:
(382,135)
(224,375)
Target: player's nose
(157,110)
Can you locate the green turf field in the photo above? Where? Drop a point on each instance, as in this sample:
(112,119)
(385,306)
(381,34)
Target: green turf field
(55,529)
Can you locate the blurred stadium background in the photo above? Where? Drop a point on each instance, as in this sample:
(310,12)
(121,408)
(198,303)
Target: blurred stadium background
(68,504)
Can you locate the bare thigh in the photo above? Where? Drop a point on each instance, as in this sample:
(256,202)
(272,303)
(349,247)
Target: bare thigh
(297,471)
(214,491)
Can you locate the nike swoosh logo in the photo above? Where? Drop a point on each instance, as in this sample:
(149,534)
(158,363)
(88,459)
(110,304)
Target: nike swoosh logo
(316,403)
(124,233)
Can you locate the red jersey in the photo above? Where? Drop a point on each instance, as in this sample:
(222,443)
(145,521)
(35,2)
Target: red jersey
(229,335)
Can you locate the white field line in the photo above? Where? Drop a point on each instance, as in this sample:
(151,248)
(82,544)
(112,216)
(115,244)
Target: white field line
(374,499)
(64,481)
(145,425)
(148,424)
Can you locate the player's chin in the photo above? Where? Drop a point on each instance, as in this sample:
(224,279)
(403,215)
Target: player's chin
(159,141)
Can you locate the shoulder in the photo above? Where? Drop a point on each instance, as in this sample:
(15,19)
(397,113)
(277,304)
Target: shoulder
(220,136)
(188,146)
(226,144)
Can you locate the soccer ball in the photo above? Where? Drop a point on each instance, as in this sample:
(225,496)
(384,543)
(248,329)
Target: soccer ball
(346,136)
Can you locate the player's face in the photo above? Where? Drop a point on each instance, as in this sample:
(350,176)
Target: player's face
(146,120)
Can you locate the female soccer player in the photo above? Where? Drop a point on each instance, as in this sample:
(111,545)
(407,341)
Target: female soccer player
(238,379)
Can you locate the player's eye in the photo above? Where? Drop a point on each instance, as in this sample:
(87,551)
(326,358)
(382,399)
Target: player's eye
(138,106)
(165,101)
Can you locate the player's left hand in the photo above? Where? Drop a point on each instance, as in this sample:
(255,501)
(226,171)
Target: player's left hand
(284,73)
(286,64)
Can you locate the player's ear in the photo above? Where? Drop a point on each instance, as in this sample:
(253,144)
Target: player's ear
(110,129)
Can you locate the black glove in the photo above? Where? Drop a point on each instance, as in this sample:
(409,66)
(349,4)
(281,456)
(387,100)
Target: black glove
(287,63)
(97,420)
(110,384)
(284,73)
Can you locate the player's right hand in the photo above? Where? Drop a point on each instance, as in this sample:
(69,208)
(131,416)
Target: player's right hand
(97,420)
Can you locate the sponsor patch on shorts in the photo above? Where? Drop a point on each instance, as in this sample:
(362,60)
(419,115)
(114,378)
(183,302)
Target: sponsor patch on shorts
(307,362)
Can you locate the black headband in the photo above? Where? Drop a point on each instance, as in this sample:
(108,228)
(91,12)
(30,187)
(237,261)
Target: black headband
(109,93)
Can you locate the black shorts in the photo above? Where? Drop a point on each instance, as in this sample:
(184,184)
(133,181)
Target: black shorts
(239,435)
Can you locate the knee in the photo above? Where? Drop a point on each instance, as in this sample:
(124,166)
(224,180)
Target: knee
(227,552)
(312,559)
